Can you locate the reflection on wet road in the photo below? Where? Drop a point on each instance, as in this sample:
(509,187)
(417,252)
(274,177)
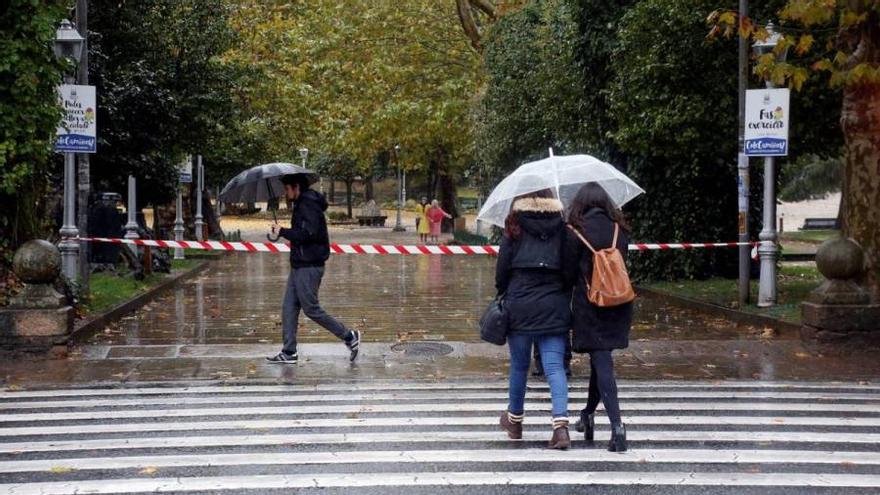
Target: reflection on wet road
(237,300)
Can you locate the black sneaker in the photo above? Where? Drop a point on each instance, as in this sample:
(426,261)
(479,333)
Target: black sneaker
(282,358)
(354,344)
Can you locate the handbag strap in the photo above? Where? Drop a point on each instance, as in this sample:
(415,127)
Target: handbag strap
(582,238)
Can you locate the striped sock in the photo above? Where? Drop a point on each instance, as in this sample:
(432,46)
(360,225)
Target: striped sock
(560,422)
(514,418)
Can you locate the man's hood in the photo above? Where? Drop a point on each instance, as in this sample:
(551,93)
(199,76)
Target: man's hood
(316,197)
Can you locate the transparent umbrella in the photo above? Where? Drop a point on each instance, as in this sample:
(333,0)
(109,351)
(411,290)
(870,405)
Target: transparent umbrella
(564,175)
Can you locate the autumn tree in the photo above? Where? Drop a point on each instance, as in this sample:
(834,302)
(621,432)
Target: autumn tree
(356,81)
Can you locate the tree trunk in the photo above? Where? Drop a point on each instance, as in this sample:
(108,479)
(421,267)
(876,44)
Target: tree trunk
(332,191)
(368,189)
(348,184)
(860,121)
(448,190)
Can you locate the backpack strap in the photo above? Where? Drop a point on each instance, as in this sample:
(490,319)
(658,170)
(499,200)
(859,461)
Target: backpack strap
(616,232)
(582,238)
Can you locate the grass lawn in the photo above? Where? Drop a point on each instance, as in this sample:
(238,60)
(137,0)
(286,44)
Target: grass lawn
(795,283)
(109,289)
(809,236)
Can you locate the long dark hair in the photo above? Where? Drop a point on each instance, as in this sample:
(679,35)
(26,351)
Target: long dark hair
(512,228)
(592,195)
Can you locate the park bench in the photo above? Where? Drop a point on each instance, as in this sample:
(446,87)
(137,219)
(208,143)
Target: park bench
(821,224)
(371,215)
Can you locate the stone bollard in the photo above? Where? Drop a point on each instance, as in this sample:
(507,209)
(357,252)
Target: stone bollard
(840,310)
(38,317)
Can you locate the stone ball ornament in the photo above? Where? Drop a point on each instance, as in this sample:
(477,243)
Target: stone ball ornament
(840,259)
(37,262)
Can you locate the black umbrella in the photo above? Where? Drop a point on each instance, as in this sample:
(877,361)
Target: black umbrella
(262,183)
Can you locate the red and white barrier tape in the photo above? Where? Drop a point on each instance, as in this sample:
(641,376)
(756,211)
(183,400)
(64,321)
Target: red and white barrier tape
(279,247)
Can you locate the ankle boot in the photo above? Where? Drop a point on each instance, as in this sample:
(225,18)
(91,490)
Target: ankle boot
(586,425)
(618,438)
(512,424)
(560,439)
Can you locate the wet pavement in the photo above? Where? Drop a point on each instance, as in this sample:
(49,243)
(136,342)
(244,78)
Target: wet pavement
(390,298)
(219,326)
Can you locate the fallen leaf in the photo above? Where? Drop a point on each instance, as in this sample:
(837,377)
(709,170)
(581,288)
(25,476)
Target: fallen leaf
(60,469)
(802,355)
(148,470)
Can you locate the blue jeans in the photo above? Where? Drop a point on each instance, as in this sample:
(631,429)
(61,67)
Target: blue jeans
(552,349)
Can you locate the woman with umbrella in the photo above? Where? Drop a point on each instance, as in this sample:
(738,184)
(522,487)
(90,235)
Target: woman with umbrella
(592,191)
(537,302)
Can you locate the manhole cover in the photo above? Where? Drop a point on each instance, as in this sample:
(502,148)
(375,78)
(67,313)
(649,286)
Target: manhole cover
(422,348)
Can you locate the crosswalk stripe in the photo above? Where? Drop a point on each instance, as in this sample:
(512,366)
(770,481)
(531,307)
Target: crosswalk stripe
(420,408)
(421,437)
(426,396)
(400,437)
(361,480)
(356,387)
(652,456)
(440,421)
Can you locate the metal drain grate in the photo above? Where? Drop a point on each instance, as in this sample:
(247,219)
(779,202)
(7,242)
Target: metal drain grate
(423,348)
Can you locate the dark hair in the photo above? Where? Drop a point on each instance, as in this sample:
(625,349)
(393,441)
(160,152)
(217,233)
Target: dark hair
(592,195)
(512,228)
(296,179)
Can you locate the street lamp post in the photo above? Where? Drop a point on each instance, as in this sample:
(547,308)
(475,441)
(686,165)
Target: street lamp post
(767,249)
(200,184)
(68,46)
(178,217)
(742,163)
(398,226)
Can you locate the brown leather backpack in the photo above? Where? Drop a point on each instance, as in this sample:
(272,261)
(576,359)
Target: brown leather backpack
(610,285)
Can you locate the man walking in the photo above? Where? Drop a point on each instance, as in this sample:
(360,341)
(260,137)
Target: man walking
(309,250)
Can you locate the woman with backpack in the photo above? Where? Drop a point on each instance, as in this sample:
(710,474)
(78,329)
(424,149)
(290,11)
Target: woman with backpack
(602,307)
(537,302)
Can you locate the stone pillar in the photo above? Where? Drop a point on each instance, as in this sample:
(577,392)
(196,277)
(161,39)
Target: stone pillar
(131,228)
(38,317)
(178,223)
(841,310)
(200,185)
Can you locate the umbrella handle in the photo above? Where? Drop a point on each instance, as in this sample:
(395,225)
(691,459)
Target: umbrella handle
(269,236)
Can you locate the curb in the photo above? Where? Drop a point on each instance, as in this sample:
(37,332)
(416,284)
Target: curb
(714,309)
(99,321)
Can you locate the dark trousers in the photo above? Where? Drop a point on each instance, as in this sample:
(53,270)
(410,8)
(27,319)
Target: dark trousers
(302,295)
(603,386)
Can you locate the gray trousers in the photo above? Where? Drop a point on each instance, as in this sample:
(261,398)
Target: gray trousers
(302,294)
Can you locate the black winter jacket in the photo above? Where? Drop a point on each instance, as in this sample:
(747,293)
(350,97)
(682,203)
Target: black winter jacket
(596,328)
(529,270)
(310,242)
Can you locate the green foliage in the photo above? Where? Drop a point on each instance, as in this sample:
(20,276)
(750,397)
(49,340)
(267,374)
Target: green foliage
(29,113)
(164,92)
(674,100)
(354,79)
(534,87)
(638,84)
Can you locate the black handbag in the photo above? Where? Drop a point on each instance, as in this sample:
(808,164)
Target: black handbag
(493,324)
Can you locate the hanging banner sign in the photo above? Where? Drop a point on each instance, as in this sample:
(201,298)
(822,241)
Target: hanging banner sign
(186,171)
(77,132)
(766,132)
